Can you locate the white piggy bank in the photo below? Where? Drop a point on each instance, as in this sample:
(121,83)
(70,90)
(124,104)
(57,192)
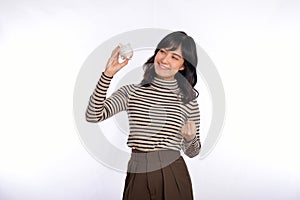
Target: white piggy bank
(126,51)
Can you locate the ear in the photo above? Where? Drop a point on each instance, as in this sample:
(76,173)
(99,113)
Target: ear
(182,67)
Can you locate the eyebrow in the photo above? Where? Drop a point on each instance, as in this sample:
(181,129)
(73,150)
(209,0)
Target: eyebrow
(173,53)
(177,55)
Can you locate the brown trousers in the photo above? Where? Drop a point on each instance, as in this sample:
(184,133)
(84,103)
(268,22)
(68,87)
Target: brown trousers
(158,175)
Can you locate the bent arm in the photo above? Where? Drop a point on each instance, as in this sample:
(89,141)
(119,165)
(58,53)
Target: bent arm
(99,107)
(192,148)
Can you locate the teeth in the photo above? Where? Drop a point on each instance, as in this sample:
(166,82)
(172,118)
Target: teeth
(165,67)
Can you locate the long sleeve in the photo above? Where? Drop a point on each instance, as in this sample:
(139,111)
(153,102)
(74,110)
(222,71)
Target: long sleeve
(99,107)
(192,148)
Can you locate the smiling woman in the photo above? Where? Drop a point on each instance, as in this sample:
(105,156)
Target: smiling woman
(175,53)
(168,63)
(163,115)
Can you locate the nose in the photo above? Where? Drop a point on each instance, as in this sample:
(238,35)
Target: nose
(165,58)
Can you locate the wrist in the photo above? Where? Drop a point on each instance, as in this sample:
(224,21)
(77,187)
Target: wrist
(110,75)
(188,140)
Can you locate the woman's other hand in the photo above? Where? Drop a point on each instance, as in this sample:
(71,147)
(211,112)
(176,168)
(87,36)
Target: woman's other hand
(188,130)
(113,65)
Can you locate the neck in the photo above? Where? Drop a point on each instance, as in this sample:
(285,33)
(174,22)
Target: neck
(171,78)
(160,83)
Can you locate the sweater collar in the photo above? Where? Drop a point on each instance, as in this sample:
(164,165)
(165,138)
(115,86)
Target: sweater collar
(159,83)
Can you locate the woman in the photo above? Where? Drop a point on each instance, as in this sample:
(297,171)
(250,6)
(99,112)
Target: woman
(163,115)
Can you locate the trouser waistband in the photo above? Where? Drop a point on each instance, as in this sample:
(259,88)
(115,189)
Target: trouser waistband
(141,161)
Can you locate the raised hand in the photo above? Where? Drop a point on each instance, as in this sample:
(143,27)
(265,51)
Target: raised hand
(113,65)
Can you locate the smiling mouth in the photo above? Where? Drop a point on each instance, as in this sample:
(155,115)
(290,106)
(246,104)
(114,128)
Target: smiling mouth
(163,67)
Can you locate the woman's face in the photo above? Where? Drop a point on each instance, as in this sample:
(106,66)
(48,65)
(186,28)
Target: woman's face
(168,63)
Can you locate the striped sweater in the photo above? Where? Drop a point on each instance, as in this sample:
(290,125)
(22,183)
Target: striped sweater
(156,114)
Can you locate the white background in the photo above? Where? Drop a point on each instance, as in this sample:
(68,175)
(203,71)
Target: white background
(255,46)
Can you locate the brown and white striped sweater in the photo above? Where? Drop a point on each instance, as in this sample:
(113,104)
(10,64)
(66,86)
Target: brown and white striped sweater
(156,114)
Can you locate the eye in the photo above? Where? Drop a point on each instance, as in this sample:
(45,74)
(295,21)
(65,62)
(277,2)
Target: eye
(162,51)
(174,57)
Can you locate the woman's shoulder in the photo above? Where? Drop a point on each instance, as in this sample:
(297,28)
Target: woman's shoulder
(129,88)
(193,103)
(132,85)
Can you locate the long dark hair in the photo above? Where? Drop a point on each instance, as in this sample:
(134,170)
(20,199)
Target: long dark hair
(186,78)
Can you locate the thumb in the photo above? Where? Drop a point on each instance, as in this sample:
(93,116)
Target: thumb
(125,62)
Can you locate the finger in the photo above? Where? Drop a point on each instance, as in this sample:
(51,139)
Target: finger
(192,125)
(115,57)
(183,129)
(193,128)
(184,126)
(190,122)
(115,51)
(189,127)
(125,62)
